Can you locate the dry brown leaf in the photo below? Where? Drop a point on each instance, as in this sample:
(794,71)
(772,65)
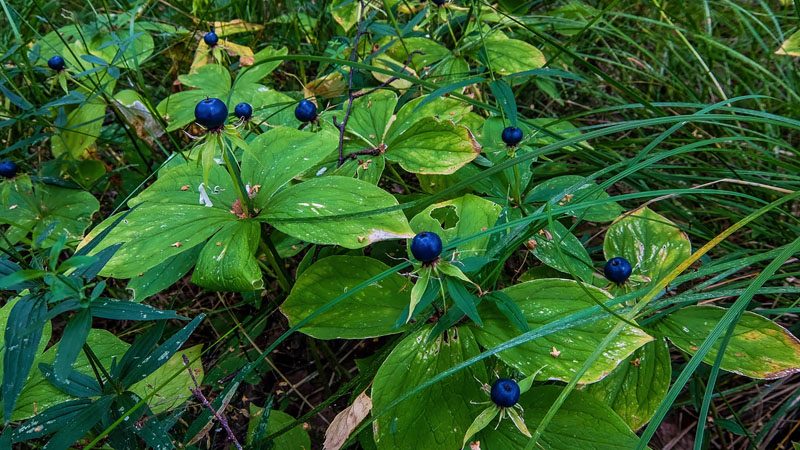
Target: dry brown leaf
(329,86)
(346,421)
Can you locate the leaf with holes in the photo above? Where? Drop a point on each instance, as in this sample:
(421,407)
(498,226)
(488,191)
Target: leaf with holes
(459,218)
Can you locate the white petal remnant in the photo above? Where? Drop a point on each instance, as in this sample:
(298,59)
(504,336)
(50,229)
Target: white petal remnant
(204,200)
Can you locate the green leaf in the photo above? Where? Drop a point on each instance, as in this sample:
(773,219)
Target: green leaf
(543,301)
(561,129)
(433,146)
(176,391)
(211,80)
(280,155)
(505,97)
(481,421)
(40,395)
(50,420)
(758,348)
(371,312)
(79,424)
(163,275)
(36,208)
(464,300)
(330,196)
(371,115)
(154,233)
(22,348)
(432,52)
(561,250)
(439,417)
(294,439)
(508,56)
(637,386)
(509,308)
(109,308)
(554,191)
(259,69)
(426,106)
(417,292)
(81,130)
(652,244)
(459,218)
(226,262)
(581,422)
(75,333)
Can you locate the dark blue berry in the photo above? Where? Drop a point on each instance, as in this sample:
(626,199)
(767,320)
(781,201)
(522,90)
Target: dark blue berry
(211,39)
(505,392)
(512,136)
(439,2)
(8,169)
(56,63)
(306,111)
(426,246)
(211,113)
(243,111)
(618,269)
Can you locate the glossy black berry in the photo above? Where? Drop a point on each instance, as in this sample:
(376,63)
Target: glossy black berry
(618,269)
(512,136)
(8,169)
(243,111)
(56,63)
(211,113)
(426,246)
(306,111)
(505,392)
(211,39)
(439,2)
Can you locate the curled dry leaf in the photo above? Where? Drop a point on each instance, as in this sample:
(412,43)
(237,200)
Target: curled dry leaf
(346,421)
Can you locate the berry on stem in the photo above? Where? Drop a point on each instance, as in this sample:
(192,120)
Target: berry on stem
(439,2)
(618,269)
(505,392)
(426,246)
(243,111)
(211,113)
(211,39)
(512,136)
(8,169)
(306,111)
(56,63)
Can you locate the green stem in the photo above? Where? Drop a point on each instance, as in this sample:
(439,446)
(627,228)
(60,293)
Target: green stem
(274,259)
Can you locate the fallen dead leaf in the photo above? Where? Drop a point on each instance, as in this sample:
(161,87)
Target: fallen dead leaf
(346,421)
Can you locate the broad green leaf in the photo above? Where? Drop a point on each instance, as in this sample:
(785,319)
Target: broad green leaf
(176,391)
(433,146)
(563,352)
(154,233)
(226,262)
(508,56)
(328,197)
(79,425)
(459,218)
(636,388)
(554,191)
(39,207)
(653,245)
(582,422)
(280,155)
(421,107)
(371,115)
(81,130)
(180,184)
(561,250)
(370,312)
(432,52)
(294,439)
(39,394)
(450,70)
(791,46)
(259,70)
(438,417)
(758,348)
(211,80)
(345,13)
(163,275)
